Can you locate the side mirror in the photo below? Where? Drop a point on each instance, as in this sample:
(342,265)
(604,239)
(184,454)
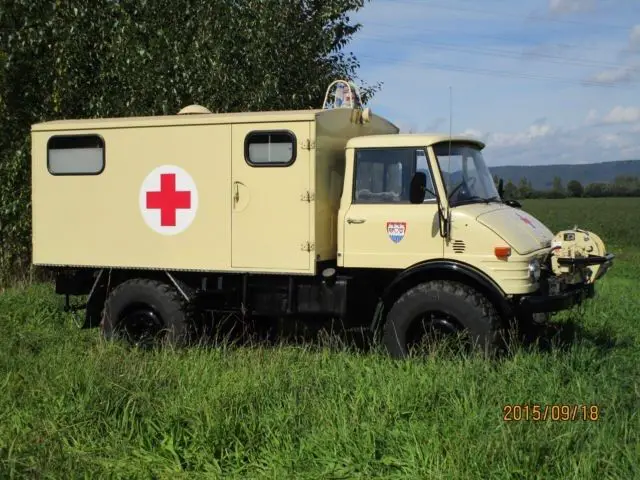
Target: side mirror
(513,203)
(501,188)
(417,191)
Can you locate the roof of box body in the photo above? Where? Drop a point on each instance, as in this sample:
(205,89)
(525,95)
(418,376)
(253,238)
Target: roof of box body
(408,140)
(168,120)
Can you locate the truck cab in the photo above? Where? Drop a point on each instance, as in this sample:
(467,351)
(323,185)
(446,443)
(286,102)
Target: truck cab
(426,207)
(456,214)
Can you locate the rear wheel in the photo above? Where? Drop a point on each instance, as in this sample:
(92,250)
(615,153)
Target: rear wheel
(145,313)
(437,310)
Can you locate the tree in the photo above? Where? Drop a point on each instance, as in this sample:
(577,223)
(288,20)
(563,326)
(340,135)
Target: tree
(575,188)
(79,59)
(597,190)
(510,191)
(557,191)
(626,186)
(525,189)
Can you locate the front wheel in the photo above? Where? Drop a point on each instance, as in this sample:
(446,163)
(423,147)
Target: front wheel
(443,308)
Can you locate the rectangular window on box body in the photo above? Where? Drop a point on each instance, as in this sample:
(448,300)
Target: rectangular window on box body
(75,155)
(275,149)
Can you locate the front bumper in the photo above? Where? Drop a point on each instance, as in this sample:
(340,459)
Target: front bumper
(555,303)
(552,297)
(585,261)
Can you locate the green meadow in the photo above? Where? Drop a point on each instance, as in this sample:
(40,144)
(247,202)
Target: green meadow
(74,406)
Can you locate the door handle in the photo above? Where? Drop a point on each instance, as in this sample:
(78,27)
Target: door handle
(356,220)
(236,195)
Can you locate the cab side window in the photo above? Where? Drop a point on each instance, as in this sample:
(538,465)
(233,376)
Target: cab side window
(383,175)
(423,166)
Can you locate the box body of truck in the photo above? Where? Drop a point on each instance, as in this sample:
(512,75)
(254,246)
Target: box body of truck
(245,192)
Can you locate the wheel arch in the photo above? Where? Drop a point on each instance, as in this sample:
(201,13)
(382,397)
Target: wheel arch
(108,279)
(439,270)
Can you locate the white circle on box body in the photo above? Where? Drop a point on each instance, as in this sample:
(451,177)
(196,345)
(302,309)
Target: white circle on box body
(168,200)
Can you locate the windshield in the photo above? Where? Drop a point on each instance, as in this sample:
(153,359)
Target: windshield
(465,174)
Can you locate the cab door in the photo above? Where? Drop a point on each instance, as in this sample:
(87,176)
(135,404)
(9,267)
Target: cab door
(381,228)
(270,218)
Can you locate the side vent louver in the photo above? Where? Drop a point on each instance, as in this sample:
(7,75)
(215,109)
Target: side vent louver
(458,246)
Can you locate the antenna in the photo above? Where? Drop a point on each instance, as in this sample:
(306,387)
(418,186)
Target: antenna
(450,116)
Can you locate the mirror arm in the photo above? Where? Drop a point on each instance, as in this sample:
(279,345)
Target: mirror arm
(443,222)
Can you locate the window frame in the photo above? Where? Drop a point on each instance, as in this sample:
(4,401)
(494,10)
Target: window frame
(55,138)
(458,144)
(294,145)
(434,200)
(414,166)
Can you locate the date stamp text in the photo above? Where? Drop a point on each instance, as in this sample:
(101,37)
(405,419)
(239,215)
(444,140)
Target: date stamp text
(555,412)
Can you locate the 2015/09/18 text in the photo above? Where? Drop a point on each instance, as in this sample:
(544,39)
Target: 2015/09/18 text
(554,412)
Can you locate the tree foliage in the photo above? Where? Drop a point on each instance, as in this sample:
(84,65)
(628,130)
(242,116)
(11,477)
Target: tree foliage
(622,186)
(525,189)
(575,188)
(510,191)
(110,58)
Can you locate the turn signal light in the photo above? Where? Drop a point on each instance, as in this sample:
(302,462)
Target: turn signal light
(502,252)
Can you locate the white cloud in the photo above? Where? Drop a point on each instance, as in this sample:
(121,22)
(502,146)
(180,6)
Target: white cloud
(624,74)
(544,144)
(610,140)
(531,134)
(616,116)
(492,64)
(634,38)
(472,132)
(592,117)
(570,6)
(622,115)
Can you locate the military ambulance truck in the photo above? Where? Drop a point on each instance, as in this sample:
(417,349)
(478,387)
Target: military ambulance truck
(163,221)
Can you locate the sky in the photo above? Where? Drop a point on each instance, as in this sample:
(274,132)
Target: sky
(539,81)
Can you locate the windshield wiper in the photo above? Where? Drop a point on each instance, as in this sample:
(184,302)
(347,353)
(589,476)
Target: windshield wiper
(473,199)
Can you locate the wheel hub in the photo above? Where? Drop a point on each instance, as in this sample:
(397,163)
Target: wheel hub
(432,327)
(141,325)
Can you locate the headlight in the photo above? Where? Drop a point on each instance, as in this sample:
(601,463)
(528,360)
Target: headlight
(534,269)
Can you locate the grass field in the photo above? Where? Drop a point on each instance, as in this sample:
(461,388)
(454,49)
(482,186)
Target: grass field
(74,406)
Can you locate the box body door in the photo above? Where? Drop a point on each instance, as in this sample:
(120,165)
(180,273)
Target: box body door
(271,216)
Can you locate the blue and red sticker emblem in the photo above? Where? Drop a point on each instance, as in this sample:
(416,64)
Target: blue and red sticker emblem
(396,231)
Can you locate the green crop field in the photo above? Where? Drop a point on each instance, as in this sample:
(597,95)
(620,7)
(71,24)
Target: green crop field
(72,405)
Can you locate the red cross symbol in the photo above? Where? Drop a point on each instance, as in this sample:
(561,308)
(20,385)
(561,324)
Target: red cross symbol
(168,200)
(527,221)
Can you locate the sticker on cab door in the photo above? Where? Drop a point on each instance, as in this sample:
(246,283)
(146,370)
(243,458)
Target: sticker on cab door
(396,231)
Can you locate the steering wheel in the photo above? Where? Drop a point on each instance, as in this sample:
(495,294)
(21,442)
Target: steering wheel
(470,184)
(465,188)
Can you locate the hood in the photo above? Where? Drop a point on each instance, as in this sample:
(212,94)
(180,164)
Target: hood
(522,231)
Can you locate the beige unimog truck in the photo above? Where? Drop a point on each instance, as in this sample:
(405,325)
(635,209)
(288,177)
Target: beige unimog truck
(161,221)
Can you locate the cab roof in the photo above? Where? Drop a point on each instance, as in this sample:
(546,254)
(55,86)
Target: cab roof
(409,139)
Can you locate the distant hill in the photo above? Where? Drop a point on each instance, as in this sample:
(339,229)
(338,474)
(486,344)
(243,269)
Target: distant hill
(541,176)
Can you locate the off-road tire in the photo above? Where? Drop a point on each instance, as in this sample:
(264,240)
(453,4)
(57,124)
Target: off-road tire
(476,316)
(178,326)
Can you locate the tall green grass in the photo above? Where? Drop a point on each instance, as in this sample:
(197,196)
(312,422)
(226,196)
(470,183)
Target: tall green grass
(72,405)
